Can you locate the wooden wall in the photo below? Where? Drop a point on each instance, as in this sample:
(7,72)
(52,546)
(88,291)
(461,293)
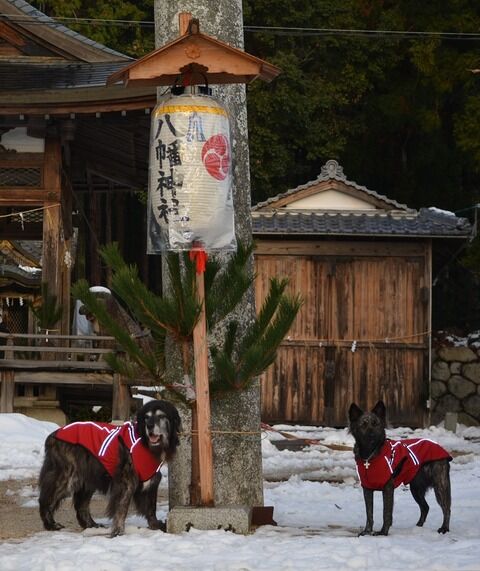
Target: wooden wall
(374,293)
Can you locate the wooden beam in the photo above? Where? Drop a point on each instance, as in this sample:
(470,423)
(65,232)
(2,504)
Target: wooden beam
(7,391)
(338,248)
(120,399)
(62,377)
(20,196)
(52,217)
(183,22)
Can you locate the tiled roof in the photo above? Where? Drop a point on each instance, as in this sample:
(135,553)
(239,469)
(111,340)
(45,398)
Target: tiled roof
(387,218)
(31,12)
(10,268)
(331,170)
(15,75)
(424,223)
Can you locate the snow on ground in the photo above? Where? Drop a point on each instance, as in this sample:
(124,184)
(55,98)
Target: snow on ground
(317,504)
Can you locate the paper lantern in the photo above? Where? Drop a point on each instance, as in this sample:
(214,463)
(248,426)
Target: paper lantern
(190,190)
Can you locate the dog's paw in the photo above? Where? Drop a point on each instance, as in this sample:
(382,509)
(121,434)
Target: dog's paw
(157,525)
(54,526)
(116,532)
(381,532)
(365,532)
(443,529)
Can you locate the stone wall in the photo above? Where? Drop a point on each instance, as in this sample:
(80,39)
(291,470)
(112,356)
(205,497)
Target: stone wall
(456,384)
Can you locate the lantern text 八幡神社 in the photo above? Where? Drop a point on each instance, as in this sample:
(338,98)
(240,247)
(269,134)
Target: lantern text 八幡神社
(190,188)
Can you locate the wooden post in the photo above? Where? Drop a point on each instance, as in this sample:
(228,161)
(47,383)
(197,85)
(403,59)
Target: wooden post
(183,22)
(7,392)
(52,219)
(120,399)
(205,452)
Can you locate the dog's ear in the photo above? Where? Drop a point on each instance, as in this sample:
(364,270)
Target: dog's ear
(174,418)
(354,413)
(380,410)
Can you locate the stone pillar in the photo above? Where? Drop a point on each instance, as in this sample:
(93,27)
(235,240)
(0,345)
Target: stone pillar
(237,457)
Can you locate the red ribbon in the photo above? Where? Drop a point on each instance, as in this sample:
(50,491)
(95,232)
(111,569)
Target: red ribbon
(200,257)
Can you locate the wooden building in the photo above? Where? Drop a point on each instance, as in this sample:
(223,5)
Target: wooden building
(363,264)
(73,151)
(73,167)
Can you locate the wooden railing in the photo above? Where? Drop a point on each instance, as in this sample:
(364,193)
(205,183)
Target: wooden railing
(56,360)
(52,347)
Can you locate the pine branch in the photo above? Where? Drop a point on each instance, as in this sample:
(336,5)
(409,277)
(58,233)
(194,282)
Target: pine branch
(267,311)
(240,361)
(224,292)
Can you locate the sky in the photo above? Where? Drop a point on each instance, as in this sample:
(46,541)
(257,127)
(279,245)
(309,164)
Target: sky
(318,506)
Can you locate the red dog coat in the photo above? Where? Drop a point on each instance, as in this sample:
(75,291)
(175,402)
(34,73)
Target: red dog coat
(375,473)
(102,440)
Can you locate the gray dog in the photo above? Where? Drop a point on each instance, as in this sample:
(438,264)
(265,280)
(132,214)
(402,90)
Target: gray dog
(384,464)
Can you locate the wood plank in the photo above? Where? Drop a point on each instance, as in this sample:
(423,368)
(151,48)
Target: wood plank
(52,219)
(57,337)
(53,350)
(121,398)
(333,248)
(90,378)
(38,365)
(21,196)
(7,391)
(205,450)
(183,22)
(21,160)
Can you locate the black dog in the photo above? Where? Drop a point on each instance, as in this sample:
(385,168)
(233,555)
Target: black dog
(84,457)
(384,464)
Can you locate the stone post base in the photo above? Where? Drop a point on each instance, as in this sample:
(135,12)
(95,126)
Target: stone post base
(229,518)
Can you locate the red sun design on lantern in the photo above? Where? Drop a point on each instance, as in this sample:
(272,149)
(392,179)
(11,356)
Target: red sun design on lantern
(216,156)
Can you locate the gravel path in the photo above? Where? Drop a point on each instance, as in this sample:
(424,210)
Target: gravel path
(18,521)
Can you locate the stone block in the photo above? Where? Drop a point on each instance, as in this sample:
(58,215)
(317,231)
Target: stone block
(451,419)
(447,403)
(472,372)
(438,389)
(467,420)
(471,406)
(229,518)
(456,368)
(440,371)
(461,387)
(462,354)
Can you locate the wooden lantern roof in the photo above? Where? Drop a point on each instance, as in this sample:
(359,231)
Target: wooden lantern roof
(197,56)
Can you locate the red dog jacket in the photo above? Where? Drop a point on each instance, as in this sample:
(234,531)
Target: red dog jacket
(375,473)
(102,440)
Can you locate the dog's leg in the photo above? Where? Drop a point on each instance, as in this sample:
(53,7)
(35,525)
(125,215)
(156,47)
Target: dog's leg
(81,502)
(368,497)
(124,484)
(53,485)
(145,499)
(441,486)
(387,494)
(418,489)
